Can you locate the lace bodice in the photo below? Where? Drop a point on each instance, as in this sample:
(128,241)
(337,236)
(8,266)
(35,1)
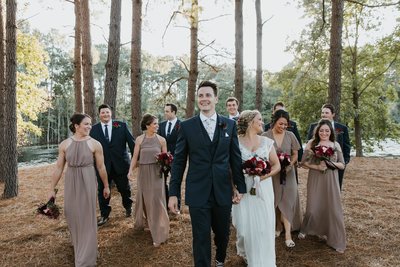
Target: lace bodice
(262,151)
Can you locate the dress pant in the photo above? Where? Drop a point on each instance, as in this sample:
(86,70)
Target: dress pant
(217,218)
(124,188)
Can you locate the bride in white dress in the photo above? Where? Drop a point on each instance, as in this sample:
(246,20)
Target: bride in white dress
(254,217)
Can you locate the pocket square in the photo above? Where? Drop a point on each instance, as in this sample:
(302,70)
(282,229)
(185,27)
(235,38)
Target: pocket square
(226,135)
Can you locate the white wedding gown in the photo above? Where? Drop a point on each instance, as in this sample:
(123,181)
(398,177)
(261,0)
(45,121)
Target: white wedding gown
(254,216)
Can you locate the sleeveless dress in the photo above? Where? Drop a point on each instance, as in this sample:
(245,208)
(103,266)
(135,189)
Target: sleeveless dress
(254,216)
(324,212)
(150,197)
(80,191)
(287,198)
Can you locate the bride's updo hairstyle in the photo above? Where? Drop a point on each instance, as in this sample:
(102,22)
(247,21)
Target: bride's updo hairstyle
(245,118)
(77,118)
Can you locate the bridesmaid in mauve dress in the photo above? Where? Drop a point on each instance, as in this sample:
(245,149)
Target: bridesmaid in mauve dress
(80,189)
(324,212)
(150,197)
(287,201)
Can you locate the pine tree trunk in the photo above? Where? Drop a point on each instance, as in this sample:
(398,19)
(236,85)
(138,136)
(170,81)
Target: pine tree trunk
(259,86)
(10,138)
(111,82)
(78,59)
(239,51)
(88,83)
(335,57)
(2,92)
(136,66)
(193,72)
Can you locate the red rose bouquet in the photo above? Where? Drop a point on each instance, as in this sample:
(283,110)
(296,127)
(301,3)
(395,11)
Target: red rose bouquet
(323,153)
(49,209)
(284,160)
(164,159)
(256,167)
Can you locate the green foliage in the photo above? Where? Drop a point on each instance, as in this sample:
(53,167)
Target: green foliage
(369,75)
(31,97)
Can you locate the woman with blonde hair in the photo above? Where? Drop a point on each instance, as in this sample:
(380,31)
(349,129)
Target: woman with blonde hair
(254,216)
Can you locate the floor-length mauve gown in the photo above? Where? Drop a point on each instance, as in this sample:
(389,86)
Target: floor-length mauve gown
(80,193)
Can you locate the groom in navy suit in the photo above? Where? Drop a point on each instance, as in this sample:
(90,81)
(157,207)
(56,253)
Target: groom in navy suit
(210,143)
(113,136)
(169,130)
(341,135)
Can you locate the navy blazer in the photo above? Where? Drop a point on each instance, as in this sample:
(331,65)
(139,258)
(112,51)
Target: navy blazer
(171,139)
(341,136)
(115,152)
(206,175)
(292,127)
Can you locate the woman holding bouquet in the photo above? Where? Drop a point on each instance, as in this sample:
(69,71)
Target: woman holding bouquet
(150,197)
(287,203)
(324,213)
(254,216)
(80,189)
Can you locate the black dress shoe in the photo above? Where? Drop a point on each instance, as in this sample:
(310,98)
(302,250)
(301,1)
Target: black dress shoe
(102,221)
(128,212)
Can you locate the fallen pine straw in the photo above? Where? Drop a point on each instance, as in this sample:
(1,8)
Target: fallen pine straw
(370,198)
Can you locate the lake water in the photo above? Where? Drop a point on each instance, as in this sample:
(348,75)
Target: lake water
(37,155)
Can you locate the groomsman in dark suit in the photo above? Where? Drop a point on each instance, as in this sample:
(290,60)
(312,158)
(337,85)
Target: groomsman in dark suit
(169,130)
(232,106)
(209,142)
(291,127)
(341,134)
(113,136)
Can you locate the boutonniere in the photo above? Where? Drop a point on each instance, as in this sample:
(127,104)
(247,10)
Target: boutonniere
(223,125)
(338,131)
(177,126)
(116,124)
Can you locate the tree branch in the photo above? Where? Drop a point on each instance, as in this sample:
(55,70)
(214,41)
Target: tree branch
(265,21)
(223,15)
(372,6)
(169,22)
(184,64)
(173,82)
(378,75)
(214,68)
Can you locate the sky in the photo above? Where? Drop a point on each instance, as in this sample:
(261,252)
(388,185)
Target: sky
(284,22)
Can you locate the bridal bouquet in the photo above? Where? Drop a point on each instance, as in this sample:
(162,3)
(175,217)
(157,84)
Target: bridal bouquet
(284,160)
(323,153)
(49,209)
(256,167)
(164,159)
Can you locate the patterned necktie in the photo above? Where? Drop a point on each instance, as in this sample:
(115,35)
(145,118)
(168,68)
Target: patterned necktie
(106,133)
(209,128)
(169,128)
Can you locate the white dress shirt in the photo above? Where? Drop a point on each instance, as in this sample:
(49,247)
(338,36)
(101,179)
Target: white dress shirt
(173,122)
(209,124)
(109,128)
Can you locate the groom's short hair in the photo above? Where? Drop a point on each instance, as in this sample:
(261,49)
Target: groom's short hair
(208,84)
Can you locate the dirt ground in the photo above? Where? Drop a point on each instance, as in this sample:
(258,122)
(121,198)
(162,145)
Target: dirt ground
(371,201)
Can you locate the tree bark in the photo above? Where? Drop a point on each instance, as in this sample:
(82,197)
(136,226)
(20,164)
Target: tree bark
(239,51)
(136,66)
(78,58)
(2,93)
(335,57)
(259,86)
(193,72)
(10,138)
(112,65)
(88,84)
